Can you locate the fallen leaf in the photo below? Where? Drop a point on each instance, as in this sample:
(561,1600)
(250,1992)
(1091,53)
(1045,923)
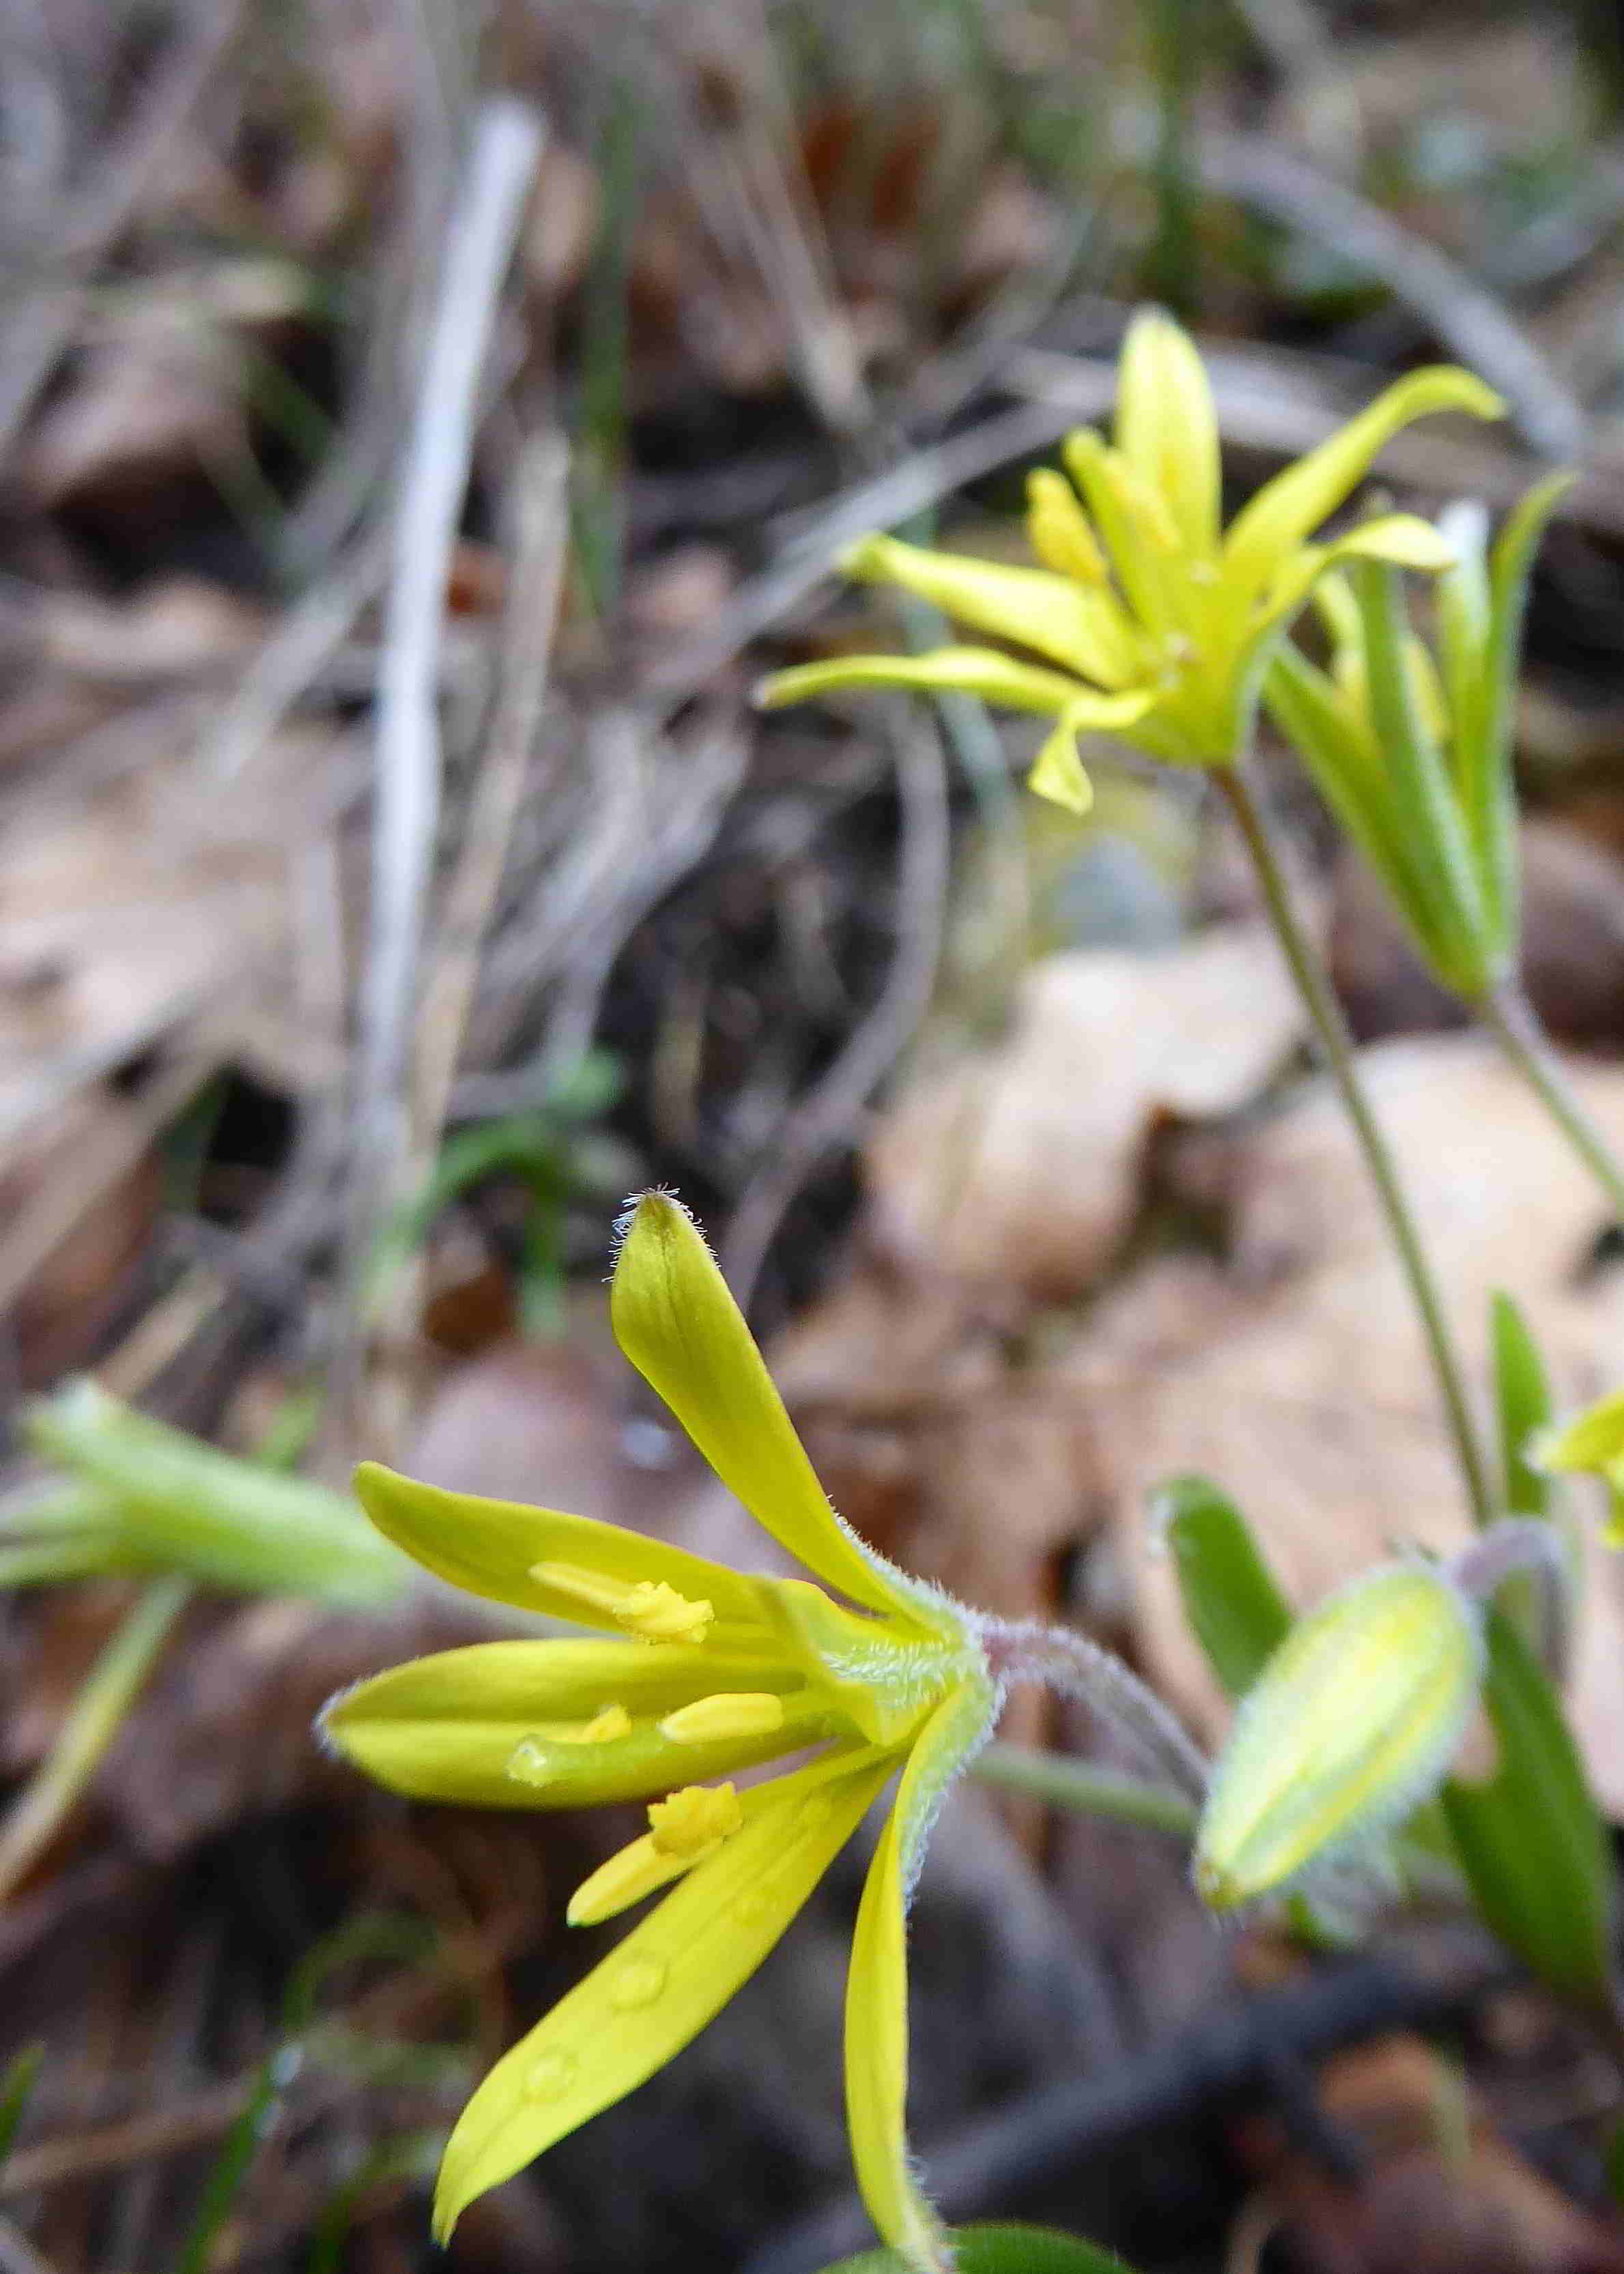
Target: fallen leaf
(1018,1169)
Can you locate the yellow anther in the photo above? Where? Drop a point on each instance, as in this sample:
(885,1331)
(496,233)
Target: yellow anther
(659,1614)
(695,1820)
(603,1729)
(1058,529)
(650,1608)
(733,1713)
(688,1828)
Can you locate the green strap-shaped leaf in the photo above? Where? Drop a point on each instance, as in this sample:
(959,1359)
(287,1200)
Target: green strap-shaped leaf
(1346,769)
(1531,1841)
(1421,792)
(1522,1407)
(1002,2250)
(1488,788)
(1235,1608)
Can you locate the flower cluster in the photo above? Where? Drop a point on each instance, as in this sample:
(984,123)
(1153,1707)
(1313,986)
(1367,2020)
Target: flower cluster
(1151,622)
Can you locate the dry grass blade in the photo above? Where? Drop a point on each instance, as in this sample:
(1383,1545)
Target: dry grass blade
(1470,322)
(541,534)
(508,139)
(91,1725)
(37,331)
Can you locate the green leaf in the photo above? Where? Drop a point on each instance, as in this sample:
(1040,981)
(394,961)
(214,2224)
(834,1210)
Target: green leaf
(1488,788)
(1523,1407)
(17,2080)
(1346,768)
(1422,793)
(1002,2250)
(1531,1841)
(1235,1609)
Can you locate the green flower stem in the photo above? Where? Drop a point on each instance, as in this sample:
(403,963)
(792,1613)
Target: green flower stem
(93,1722)
(1326,1013)
(1092,1791)
(1511,1019)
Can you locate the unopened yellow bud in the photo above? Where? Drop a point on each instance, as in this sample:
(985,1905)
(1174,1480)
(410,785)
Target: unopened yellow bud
(695,1820)
(732,1714)
(1350,1726)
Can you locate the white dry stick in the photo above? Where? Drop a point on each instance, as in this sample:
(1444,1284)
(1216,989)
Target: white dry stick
(507,142)
(539,548)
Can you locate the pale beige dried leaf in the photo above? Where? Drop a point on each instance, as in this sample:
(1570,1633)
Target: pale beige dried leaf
(1018,1169)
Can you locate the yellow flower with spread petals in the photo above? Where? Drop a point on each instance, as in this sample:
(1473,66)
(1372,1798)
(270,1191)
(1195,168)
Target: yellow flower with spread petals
(697,1673)
(1151,622)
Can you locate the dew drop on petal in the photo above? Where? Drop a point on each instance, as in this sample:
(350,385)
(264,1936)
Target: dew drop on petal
(551,2075)
(814,1810)
(753,1904)
(638,1983)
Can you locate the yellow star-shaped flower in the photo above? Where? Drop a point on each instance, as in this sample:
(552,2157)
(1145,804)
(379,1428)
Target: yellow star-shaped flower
(1153,621)
(697,1672)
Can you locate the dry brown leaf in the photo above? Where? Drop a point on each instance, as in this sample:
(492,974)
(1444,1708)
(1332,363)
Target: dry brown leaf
(161,898)
(1297,1379)
(1441,2190)
(1018,1170)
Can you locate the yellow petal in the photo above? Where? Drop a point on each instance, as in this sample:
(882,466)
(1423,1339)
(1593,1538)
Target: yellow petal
(1070,623)
(1166,428)
(492,1547)
(1593,1440)
(1058,772)
(676,1321)
(1401,537)
(1289,509)
(1057,529)
(979,670)
(475,1726)
(1140,534)
(661,1985)
(877,1997)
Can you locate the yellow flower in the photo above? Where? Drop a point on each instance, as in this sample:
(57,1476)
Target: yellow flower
(697,1672)
(1592,1445)
(1151,622)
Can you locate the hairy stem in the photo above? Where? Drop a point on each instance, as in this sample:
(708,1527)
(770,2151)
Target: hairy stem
(1326,1013)
(1074,1665)
(1511,1019)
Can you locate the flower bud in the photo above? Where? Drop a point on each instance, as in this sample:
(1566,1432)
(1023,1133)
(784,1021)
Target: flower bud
(1350,1726)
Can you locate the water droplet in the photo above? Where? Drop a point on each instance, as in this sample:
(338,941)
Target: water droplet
(638,1983)
(814,1810)
(551,2075)
(752,1905)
